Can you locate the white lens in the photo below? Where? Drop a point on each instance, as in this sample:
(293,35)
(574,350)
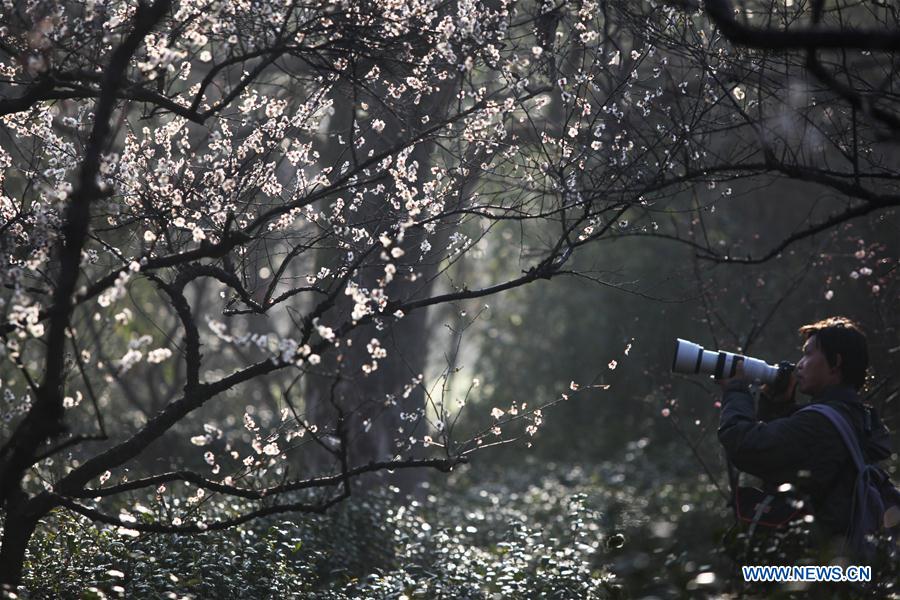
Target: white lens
(687,357)
(691,358)
(759,370)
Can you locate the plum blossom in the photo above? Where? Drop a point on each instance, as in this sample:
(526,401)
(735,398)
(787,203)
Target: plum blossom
(158,355)
(131,358)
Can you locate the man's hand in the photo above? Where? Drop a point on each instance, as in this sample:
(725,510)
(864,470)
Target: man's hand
(738,375)
(776,404)
(781,396)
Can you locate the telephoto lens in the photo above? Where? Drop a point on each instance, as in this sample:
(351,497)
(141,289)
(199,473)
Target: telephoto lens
(691,358)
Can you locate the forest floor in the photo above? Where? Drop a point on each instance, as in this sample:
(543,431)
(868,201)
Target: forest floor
(639,526)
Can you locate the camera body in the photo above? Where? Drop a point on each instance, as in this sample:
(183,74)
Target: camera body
(691,358)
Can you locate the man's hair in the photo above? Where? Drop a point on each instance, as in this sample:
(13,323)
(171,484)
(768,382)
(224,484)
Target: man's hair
(840,335)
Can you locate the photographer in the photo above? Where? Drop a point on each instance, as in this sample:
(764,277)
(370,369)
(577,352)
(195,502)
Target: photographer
(780,445)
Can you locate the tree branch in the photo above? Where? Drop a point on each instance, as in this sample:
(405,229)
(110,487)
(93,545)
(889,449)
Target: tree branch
(721,12)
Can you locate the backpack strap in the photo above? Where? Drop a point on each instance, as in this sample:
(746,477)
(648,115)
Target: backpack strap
(855,534)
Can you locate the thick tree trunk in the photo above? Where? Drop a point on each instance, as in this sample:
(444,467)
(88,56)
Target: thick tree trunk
(22,516)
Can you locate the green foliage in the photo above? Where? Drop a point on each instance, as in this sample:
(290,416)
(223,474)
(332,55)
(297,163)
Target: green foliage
(69,557)
(473,540)
(642,524)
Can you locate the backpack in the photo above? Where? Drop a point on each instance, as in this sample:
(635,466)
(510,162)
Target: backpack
(875,506)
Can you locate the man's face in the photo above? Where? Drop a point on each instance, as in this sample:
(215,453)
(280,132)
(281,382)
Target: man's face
(813,372)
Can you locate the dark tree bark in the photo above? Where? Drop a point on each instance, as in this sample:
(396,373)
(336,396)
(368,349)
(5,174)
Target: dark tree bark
(44,421)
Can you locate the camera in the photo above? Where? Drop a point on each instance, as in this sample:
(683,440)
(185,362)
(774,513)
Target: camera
(691,358)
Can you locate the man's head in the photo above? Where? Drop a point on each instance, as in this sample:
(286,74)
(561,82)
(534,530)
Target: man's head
(835,353)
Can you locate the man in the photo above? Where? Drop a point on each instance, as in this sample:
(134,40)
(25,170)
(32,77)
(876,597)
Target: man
(804,449)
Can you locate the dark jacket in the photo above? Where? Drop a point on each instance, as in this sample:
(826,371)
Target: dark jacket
(803,449)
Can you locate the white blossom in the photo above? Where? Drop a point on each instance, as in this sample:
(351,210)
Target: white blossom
(158,355)
(131,358)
